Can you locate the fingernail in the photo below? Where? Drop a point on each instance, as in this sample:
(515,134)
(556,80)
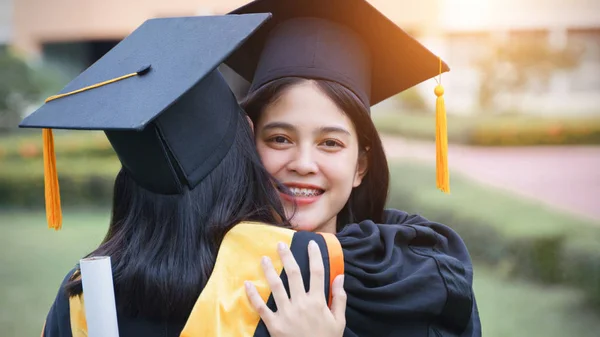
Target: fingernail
(247,284)
(339,281)
(266,261)
(281,246)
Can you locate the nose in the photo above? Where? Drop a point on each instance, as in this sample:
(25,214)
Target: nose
(303,162)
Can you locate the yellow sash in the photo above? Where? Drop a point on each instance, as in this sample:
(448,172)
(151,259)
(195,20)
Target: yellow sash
(223,302)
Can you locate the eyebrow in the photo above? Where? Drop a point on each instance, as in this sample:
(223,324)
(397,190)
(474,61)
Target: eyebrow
(279,125)
(291,128)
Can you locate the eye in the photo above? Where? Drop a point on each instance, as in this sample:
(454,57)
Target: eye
(278,140)
(332,143)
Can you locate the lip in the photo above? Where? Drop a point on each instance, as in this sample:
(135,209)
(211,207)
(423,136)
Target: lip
(301,201)
(307,186)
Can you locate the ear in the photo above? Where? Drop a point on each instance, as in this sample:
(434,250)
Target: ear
(362,166)
(251,123)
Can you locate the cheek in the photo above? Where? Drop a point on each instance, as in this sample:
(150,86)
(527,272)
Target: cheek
(273,160)
(341,170)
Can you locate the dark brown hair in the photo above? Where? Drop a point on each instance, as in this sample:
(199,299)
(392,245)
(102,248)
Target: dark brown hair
(366,201)
(164,247)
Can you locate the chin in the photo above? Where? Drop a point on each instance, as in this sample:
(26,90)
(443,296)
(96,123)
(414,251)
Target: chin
(312,225)
(303,226)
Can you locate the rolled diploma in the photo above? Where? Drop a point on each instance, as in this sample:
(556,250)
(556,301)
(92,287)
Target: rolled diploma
(99,297)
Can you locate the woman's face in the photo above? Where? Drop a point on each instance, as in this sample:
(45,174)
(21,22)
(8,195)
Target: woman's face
(311,146)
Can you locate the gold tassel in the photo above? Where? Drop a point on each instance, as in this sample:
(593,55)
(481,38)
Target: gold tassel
(52,193)
(441,138)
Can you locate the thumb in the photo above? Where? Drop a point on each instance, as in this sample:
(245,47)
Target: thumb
(338,303)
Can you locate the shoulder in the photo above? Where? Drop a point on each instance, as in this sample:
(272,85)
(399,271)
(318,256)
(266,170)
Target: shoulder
(414,265)
(256,239)
(265,236)
(407,232)
(446,239)
(58,322)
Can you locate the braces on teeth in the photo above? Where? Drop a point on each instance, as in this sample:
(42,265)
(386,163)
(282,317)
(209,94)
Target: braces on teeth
(303,192)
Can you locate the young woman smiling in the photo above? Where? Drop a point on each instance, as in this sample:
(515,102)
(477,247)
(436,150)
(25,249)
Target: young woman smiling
(315,70)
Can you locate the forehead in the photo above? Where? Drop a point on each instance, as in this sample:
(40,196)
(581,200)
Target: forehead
(305,105)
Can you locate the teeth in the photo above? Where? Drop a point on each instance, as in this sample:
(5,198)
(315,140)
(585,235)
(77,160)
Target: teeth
(304,192)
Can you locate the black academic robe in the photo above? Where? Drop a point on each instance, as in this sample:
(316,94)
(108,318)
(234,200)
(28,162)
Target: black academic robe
(407,277)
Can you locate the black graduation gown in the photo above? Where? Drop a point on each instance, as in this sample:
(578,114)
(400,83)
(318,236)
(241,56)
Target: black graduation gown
(407,277)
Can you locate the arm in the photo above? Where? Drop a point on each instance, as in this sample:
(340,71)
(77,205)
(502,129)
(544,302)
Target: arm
(449,244)
(58,323)
(409,277)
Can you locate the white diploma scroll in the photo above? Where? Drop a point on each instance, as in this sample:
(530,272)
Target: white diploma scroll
(99,297)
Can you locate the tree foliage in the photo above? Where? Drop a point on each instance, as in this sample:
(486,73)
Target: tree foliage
(20,85)
(522,64)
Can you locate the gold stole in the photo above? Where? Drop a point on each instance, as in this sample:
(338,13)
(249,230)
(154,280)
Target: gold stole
(223,308)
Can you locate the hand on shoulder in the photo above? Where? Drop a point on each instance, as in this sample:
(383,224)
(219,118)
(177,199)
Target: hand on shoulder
(302,313)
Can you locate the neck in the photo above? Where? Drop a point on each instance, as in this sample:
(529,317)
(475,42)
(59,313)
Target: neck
(328,227)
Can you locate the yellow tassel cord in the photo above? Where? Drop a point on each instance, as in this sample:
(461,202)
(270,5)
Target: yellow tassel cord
(51,188)
(51,98)
(441,138)
(52,193)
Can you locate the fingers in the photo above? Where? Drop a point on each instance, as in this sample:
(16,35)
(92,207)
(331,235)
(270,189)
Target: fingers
(277,289)
(338,303)
(292,271)
(306,313)
(317,270)
(257,303)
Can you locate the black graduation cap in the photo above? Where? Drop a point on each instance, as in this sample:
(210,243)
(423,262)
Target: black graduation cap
(158,96)
(346,41)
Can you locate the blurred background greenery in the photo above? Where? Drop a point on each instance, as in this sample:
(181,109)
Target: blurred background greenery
(524,132)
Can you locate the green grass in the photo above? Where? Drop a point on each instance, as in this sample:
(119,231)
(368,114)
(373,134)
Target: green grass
(35,259)
(510,308)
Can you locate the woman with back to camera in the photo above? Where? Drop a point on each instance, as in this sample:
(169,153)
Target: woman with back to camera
(183,217)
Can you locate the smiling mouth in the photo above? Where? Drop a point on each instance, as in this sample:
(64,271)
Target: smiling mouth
(305,192)
(301,192)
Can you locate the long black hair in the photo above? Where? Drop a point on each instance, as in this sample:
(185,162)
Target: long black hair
(367,201)
(163,247)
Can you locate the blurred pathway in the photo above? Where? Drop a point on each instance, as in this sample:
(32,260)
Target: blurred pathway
(567,178)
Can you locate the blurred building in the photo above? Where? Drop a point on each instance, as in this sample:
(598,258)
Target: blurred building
(6,23)
(472,28)
(72,34)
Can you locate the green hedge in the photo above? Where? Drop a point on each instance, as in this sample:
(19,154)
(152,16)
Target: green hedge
(519,237)
(27,144)
(82,181)
(494,130)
